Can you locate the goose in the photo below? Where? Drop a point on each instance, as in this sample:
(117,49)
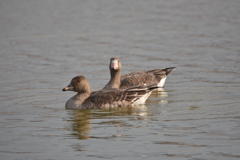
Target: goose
(139,78)
(111,98)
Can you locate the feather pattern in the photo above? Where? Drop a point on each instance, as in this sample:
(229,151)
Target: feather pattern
(140,78)
(112,98)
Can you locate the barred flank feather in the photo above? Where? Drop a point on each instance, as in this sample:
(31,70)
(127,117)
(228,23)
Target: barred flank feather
(112,98)
(140,78)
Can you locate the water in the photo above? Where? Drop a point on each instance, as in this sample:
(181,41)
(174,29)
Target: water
(43,44)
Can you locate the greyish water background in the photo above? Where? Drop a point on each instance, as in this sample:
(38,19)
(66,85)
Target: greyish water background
(43,44)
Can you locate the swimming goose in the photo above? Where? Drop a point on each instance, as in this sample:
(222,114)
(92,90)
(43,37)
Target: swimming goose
(140,78)
(112,98)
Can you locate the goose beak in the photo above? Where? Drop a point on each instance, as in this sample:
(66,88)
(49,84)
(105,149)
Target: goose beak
(68,88)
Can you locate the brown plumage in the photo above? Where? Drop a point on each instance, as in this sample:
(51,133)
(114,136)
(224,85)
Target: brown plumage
(111,98)
(140,78)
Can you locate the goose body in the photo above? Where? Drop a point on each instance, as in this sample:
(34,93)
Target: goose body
(111,98)
(140,78)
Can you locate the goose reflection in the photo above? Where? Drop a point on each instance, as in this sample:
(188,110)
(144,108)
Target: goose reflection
(82,120)
(81,123)
(160,96)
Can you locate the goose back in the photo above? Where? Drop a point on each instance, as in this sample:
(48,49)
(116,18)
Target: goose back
(112,98)
(140,78)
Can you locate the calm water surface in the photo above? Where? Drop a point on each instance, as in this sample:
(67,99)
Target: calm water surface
(43,44)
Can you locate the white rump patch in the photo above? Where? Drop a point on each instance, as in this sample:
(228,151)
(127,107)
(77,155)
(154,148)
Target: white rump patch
(143,99)
(162,82)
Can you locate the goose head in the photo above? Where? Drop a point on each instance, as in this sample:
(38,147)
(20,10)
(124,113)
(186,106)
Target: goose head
(78,84)
(115,64)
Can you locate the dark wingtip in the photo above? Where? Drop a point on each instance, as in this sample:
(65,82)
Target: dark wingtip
(169,70)
(153,87)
